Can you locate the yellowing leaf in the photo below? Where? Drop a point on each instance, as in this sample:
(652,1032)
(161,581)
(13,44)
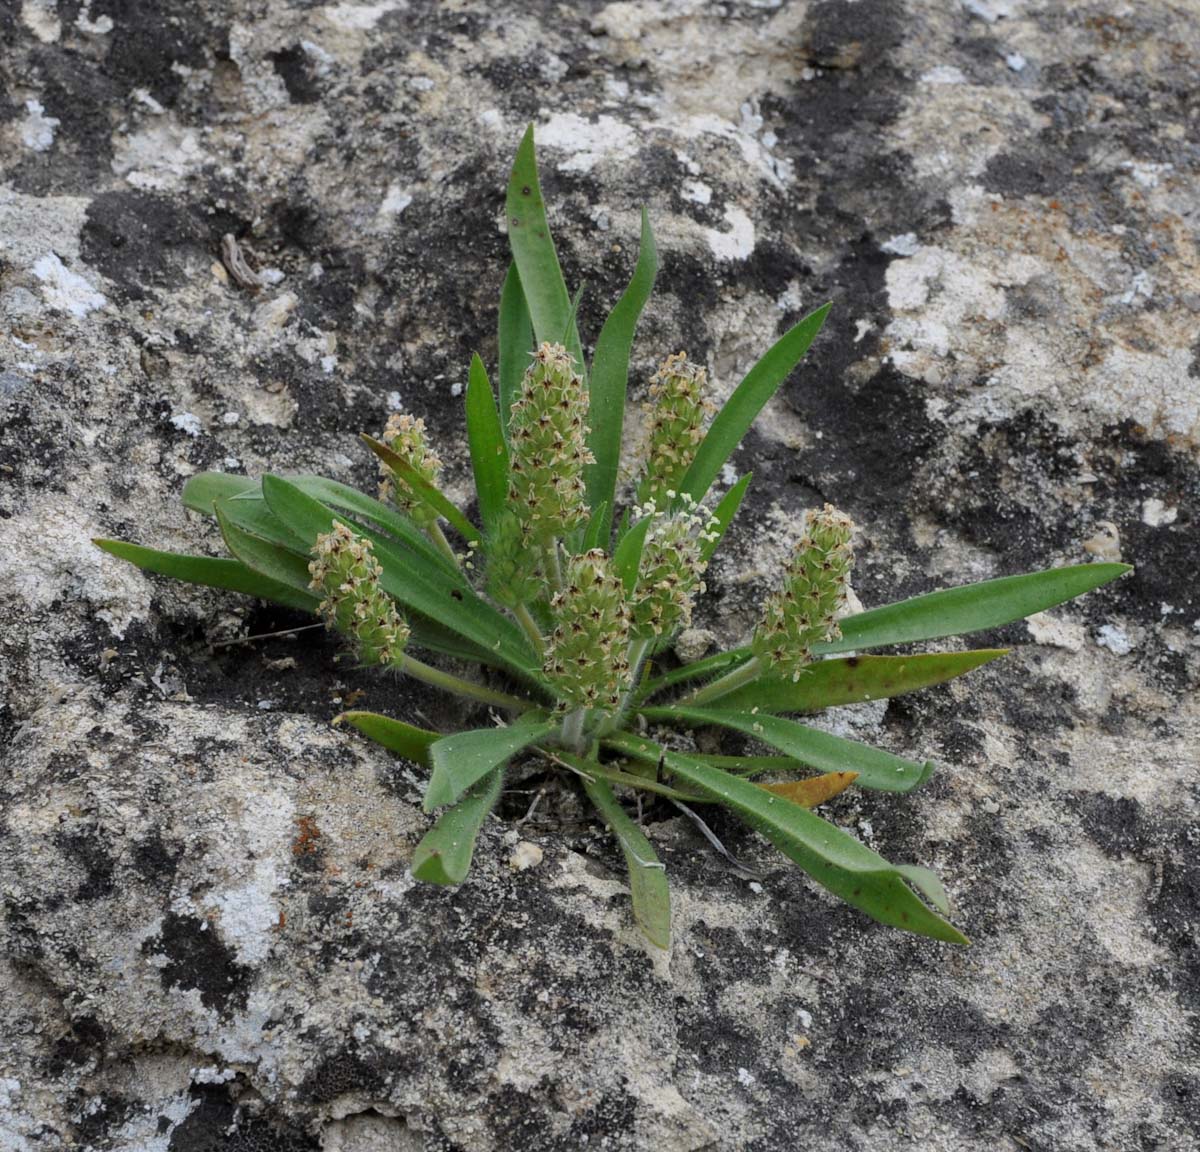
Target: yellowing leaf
(815,790)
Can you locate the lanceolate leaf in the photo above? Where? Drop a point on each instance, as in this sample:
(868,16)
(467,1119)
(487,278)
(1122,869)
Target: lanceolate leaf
(647,877)
(723,514)
(404,739)
(610,379)
(829,855)
(268,559)
(489,456)
(876,768)
(211,571)
(516,343)
(201,491)
(455,606)
(970,608)
(832,683)
(627,559)
(424,491)
(444,854)
(459,760)
(748,399)
(546,293)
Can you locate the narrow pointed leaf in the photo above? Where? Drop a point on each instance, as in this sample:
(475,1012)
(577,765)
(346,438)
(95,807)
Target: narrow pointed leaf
(424,491)
(647,877)
(267,559)
(461,759)
(516,343)
(211,571)
(877,769)
(813,791)
(833,683)
(723,514)
(739,411)
(404,739)
(627,559)
(849,869)
(596,534)
(541,277)
(610,380)
(489,456)
(444,853)
(201,491)
(970,607)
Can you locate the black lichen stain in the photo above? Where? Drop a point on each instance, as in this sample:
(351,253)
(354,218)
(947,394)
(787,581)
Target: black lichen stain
(86,847)
(216,1123)
(197,958)
(141,238)
(294,68)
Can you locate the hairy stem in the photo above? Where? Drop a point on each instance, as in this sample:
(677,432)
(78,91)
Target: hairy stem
(529,624)
(572,729)
(722,686)
(638,651)
(444,680)
(439,538)
(554,566)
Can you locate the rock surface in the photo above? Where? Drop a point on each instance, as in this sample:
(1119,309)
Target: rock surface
(209,936)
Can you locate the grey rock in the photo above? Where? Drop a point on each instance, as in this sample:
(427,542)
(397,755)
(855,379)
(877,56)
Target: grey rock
(210,938)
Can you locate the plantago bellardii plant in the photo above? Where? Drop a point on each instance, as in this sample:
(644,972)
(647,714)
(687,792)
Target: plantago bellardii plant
(563,605)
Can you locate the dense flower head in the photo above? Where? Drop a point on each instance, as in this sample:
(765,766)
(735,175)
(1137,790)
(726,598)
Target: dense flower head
(803,612)
(345,572)
(548,436)
(405,435)
(513,562)
(678,410)
(588,652)
(672,565)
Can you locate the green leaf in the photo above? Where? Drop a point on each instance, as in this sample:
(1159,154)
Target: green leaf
(446,602)
(596,534)
(444,854)
(365,507)
(723,514)
(423,490)
(969,608)
(404,739)
(610,380)
(833,683)
(709,666)
(849,869)
(627,559)
(489,456)
(201,491)
(459,760)
(270,560)
(545,291)
(748,399)
(516,343)
(251,514)
(211,571)
(876,768)
(647,877)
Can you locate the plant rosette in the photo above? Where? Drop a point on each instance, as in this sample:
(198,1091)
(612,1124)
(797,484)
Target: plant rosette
(567,609)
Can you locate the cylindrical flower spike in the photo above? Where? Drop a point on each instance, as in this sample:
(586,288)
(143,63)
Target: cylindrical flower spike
(345,572)
(513,563)
(548,435)
(588,652)
(671,569)
(677,410)
(804,611)
(405,435)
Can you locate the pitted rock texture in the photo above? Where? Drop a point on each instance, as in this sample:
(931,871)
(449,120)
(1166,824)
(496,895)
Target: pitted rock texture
(210,939)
